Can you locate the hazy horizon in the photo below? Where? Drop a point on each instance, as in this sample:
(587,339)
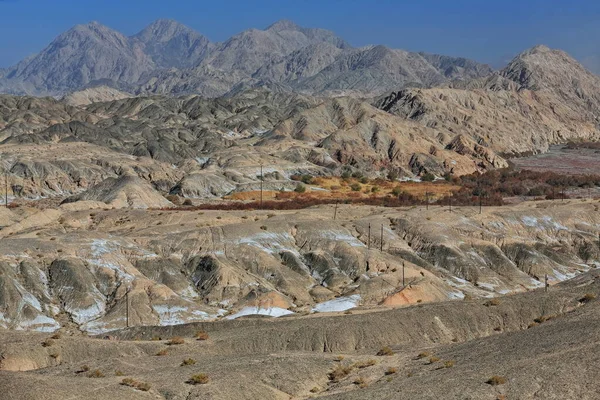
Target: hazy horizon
(489,33)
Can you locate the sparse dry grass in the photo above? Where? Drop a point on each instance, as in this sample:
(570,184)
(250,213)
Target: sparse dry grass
(423,354)
(391,371)
(188,361)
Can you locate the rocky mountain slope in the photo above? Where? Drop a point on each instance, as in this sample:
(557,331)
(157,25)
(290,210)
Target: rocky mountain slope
(171,44)
(541,98)
(85,54)
(169,58)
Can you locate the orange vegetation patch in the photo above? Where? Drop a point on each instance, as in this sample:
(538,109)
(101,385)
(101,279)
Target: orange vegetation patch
(253,195)
(338,188)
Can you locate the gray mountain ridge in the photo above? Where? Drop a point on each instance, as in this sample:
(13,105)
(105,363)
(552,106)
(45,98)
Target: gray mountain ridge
(170,58)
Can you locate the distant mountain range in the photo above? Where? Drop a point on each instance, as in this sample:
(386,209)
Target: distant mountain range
(170,58)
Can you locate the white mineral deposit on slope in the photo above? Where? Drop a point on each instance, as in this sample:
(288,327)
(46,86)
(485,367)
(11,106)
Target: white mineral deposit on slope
(339,304)
(267,311)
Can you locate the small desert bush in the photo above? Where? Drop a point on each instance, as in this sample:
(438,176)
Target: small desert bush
(162,352)
(143,386)
(95,374)
(119,373)
(340,372)
(199,379)
(201,335)
(391,371)
(176,340)
(56,336)
(433,360)
(544,318)
(448,364)
(338,358)
(385,351)
(492,302)
(365,364)
(188,361)
(423,354)
(587,298)
(47,343)
(361,382)
(355,187)
(496,380)
(84,368)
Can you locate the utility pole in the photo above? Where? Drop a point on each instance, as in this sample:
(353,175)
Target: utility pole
(403,274)
(381,244)
(6,188)
(369,238)
(127,307)
(335,210)
(261,185)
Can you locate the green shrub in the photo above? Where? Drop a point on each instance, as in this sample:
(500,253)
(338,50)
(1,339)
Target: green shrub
(300,188)
(428,177)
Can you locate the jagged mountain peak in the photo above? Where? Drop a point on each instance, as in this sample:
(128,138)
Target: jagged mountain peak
(173,44)
(284,25)
(164,29)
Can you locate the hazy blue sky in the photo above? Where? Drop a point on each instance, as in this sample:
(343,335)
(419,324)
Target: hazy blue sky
(485,30)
